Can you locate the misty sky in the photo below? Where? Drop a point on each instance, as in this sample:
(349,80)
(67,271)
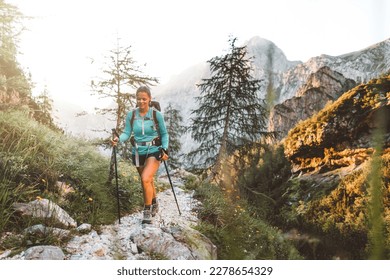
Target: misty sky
(172,35)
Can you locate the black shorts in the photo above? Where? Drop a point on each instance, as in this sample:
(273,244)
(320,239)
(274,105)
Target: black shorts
(142,158)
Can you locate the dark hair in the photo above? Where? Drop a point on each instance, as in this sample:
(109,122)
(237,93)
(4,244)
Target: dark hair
(144,89)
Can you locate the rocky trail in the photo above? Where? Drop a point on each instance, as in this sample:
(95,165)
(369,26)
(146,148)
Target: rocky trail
(170,236)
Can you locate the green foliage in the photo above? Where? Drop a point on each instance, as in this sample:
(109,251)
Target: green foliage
(11,75)
(34,158)
(130,187)
(238,234)
(10,27)
(15,85)
(120,76)
(173,121)
(338,125)
(5,205)
(230,114)
(347,212)
(336,151)
(377,233)
(10,192)
(44,109)
(262,178)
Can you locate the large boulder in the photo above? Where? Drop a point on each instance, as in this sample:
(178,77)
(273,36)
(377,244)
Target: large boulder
(175,243)
(44,253)
(46,210)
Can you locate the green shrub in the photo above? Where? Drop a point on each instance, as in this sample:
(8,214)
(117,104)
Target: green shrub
(237,233)
(342,212)
(262,180)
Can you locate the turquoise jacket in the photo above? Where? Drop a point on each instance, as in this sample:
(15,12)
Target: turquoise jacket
(145,131)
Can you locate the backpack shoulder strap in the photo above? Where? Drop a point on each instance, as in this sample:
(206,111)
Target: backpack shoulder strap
(132,118)
(154,113)
(156,121)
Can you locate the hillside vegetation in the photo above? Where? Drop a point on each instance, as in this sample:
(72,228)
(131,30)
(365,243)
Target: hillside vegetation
(341,128)
(340,166)
(326,185)
(37,162)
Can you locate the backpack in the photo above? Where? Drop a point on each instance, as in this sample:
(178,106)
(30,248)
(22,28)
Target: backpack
(156,107)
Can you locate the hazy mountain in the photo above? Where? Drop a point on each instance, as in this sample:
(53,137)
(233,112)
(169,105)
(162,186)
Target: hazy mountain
(270,65)
(269,62)
(321,87)
(360,66)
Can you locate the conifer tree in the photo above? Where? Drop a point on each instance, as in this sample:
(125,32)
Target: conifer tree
(12,78)
(44,109)
(9,19)
(11,75)
(230,112)
(173,121)
(122,76)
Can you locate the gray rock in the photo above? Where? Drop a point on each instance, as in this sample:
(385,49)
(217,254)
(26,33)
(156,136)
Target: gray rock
(84,228)
(41,230)
(44,253)
(201,247)
(46,210)
(154,241)
(170,236)
(5,254)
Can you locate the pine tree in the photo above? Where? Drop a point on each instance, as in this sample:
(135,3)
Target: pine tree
(12,77)
(173,121)
(13,80)
(230,113)
(122,77)
(44,108)
(9,19)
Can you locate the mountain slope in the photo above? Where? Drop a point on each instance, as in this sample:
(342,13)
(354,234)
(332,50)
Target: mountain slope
(287,77)
(271,66)
(346,124)
(332,154)
(322,87)
(360,66)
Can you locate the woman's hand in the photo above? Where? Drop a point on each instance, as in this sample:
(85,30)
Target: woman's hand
(114,141)
(164,154)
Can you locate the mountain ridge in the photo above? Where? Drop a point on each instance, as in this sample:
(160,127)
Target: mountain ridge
(272,66)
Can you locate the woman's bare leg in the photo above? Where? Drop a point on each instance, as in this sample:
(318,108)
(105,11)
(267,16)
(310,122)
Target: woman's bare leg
(147,173)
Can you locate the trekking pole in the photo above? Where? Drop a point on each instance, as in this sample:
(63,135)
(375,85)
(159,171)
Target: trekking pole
(169,177)
(116,176)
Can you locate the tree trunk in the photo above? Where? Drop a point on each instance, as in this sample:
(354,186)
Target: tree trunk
(217,172)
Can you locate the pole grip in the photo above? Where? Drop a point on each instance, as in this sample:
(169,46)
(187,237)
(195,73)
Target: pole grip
(114,133)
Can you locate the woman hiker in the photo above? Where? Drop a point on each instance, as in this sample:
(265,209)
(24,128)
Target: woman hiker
(150,146)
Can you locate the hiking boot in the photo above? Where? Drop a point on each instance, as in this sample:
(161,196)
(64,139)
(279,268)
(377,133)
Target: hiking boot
(154,209)
(147,219)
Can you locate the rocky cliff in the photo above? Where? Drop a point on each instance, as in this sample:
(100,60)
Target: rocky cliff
(345,125)
(322,87)
(335,156)
(292,81)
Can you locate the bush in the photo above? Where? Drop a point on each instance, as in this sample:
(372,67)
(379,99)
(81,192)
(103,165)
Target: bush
(340,210)
(262,180)
(237,233)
